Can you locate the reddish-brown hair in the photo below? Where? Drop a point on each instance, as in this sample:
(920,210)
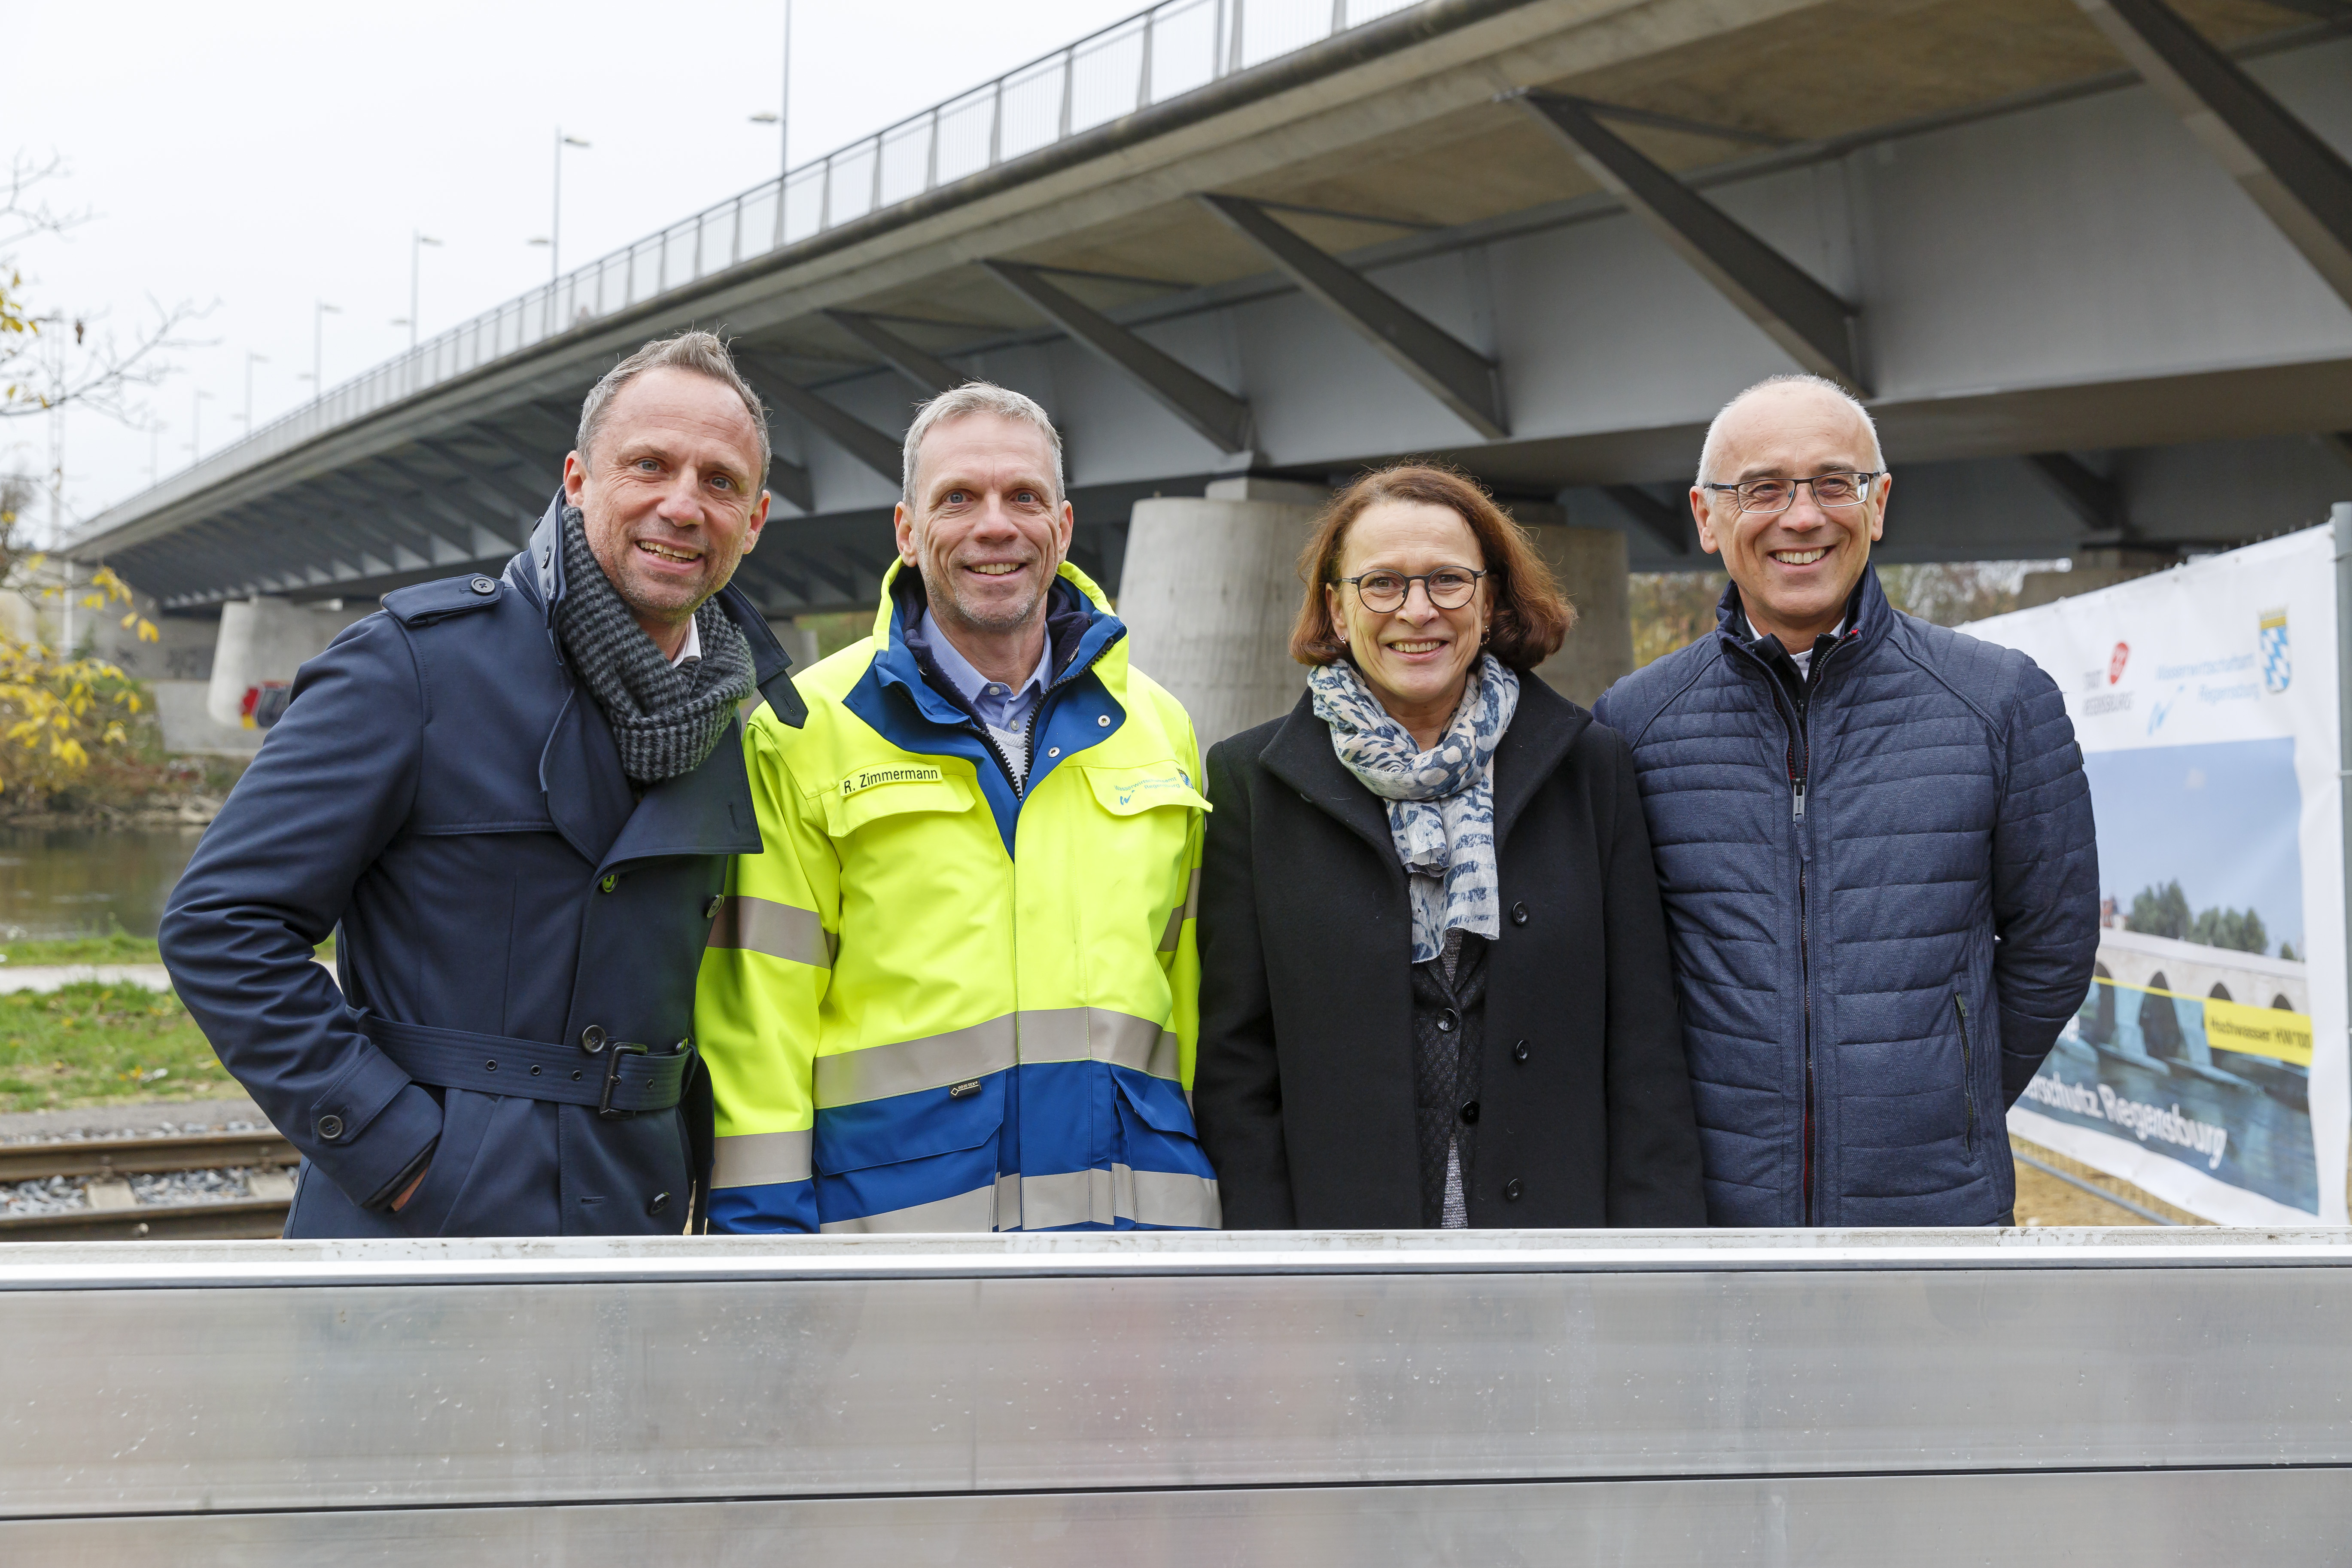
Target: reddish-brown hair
(1529,620)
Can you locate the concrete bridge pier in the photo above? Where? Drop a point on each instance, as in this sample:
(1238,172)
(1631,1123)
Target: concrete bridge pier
(264,641)
(1210,589)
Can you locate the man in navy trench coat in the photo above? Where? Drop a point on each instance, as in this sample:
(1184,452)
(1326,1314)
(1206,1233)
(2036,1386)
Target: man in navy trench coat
(521,917)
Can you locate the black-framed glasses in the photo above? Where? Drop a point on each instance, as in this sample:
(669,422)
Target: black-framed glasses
(1830,490)
(1448,587)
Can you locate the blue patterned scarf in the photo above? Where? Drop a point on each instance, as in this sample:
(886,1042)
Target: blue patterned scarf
(1441,802)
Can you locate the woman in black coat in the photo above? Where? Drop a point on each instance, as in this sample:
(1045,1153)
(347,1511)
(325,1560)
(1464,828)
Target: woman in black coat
(1489,1040)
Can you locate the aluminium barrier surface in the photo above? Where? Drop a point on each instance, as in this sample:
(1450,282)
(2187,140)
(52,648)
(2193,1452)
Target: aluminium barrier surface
(1827,1397)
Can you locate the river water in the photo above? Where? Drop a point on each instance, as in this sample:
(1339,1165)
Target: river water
(69,882)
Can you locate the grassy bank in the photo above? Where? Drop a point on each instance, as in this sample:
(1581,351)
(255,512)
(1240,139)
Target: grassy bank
(97,1045)
(101,1044)
(119,947)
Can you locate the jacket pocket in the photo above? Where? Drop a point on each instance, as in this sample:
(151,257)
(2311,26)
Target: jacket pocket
(1127,791)
(870,794)
(908,1127)
(925,1161)
(1968,1073)
(1169,1183)
(1156,1129)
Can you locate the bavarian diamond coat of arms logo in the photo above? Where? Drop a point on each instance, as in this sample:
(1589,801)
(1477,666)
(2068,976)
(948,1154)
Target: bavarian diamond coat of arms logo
(2278,659)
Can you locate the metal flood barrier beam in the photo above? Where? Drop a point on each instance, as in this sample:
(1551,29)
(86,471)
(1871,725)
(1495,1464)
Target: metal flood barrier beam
(2128,1397)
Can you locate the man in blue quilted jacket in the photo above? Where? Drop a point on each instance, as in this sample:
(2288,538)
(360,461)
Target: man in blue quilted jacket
(1873,835)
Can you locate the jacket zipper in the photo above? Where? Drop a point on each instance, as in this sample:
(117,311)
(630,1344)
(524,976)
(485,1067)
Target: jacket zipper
(1967,1071)
(1799,762)
(1021,783)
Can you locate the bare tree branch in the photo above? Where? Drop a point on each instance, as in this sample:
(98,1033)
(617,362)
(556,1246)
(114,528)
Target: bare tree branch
(39,368)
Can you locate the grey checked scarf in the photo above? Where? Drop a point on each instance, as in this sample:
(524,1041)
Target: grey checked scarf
(666,720)
(1441,802)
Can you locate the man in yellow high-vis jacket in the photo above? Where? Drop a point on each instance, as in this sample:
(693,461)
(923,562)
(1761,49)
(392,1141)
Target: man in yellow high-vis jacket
(957,989)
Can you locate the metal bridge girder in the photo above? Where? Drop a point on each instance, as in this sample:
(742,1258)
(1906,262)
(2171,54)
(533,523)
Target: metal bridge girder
(930,373)
(877,449)
(538,467)
(2302,185)
(396,546)
(1669,525)
(477,537)
(2096,500)
(1450,370)
(1792,308)
(1217,415)
(516,488)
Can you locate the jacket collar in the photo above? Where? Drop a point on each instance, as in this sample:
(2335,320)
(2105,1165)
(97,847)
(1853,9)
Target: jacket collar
(1870,619)
(1543,729)
(1080,632)
(541,566)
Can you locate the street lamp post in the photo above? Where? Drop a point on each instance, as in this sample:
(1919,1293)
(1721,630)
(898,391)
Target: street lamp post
(417,240)
(197,423)
(555,225)
(783,121)
(251,359)
(319,347)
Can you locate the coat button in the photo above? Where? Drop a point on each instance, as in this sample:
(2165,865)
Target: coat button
(591,1039)
(1512,1189)
(1470,1113)
(330,1128)
(1446,1018)
(1519,1052)
(611,880)
(657,1202)
(710,910)
(483,586)
(1519,914)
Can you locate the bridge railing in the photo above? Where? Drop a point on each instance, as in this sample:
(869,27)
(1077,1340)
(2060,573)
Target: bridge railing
(1161,53)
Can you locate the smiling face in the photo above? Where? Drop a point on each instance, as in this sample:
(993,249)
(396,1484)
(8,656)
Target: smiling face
(1416,657)
(670,497)
(988,530)
(1796,569)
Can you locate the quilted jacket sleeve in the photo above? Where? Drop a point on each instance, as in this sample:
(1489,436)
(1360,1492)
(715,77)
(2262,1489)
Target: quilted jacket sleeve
(1653,1151)
(2046,878)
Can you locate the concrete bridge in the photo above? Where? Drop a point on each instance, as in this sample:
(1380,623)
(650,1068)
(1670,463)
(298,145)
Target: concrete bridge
(2090,261)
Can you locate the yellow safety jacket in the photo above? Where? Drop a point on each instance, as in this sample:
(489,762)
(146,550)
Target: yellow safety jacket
(941,1001)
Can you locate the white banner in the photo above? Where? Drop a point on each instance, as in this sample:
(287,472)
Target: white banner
(2208,1064)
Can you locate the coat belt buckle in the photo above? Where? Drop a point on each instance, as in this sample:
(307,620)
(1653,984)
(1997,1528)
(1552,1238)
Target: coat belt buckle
(613,1055)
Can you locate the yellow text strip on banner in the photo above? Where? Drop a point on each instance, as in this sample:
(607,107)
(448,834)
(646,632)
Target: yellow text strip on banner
(2258,1031)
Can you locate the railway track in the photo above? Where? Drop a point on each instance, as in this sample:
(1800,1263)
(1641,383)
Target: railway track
(114,1215)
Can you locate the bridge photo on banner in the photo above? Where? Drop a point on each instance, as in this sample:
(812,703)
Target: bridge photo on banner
(2207,1062)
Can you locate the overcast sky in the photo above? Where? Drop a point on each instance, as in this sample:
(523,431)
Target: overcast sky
(255,158)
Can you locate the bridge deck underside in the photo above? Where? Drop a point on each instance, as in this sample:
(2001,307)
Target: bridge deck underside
(2048,274)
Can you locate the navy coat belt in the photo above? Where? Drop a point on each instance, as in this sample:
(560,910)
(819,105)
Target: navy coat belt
(618,1079)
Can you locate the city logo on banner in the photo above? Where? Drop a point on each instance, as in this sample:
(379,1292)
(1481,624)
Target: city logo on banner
(2278,660)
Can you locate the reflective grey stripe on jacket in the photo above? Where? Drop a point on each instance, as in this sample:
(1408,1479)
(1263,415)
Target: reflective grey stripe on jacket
(1188,908)
(1045,1035)
(781,931)
(1047,1202)
(761,1159)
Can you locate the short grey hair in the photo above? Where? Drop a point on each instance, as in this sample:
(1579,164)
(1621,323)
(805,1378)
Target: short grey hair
(1711,451)
(704,353)
(974,397)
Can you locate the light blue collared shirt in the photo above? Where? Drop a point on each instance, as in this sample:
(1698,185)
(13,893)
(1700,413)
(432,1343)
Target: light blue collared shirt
(1002,709)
